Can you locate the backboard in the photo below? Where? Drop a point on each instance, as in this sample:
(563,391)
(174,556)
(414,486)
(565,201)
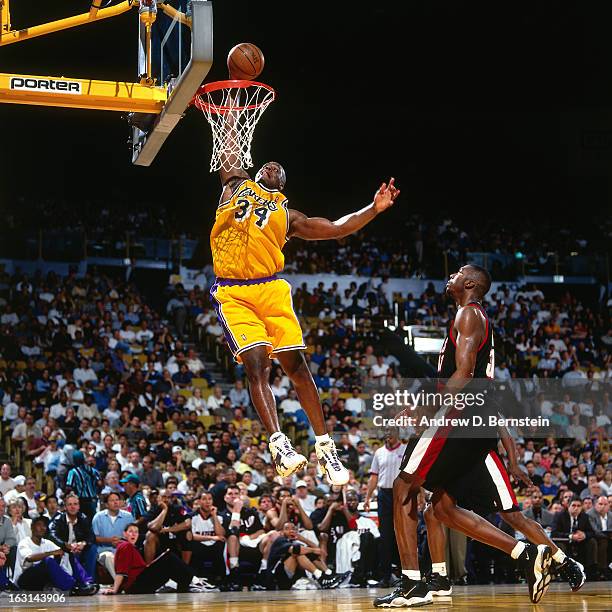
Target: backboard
(182,50)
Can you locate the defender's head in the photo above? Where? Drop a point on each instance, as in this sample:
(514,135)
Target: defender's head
(470,279)
(271,175)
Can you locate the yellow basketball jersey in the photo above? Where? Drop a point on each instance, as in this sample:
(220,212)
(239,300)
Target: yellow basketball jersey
(249,233)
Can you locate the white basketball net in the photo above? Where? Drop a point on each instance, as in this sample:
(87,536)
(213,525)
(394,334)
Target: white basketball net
(233,113)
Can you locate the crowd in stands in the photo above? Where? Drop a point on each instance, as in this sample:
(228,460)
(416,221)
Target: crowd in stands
(99,219)
(416,250)
(132,451)
(413,249)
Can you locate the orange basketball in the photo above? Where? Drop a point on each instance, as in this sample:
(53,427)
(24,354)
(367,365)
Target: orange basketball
(245,61)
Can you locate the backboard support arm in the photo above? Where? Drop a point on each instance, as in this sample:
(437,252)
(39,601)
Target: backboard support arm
(146,145)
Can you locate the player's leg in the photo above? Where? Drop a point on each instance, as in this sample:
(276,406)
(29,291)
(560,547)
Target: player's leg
(295,366)
(288,343)
(569,569)
(265,546)
(411,591)
(493,481)
(151,546)
(325,581)
(438,582)
(257,366)
(534,559)
(233,553)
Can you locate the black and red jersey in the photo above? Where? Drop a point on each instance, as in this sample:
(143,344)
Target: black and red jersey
(485,359)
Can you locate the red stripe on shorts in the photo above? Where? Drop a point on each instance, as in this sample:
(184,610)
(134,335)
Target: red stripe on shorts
(504,473)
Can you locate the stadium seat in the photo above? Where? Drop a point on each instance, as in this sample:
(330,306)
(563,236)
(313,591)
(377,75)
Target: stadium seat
(199,383)
(207,421)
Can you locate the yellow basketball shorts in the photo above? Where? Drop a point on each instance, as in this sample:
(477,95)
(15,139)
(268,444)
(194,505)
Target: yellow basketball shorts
(257,312)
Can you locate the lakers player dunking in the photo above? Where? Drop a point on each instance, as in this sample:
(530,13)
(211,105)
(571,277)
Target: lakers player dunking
(253,223)
(442,454)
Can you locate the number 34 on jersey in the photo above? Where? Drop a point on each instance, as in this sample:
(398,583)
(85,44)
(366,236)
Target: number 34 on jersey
(250,232)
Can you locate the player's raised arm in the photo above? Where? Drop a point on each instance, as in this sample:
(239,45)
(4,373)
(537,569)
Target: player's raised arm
(230,160)
(320,228)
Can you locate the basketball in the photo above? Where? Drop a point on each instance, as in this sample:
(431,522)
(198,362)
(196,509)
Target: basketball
(245,61)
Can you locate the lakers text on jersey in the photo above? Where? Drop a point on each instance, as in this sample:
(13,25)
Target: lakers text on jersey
(249,233)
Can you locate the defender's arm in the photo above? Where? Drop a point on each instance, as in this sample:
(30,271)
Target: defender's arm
(319,228)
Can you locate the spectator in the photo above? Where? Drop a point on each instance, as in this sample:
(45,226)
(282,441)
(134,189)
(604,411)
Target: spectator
(593,489)
(537,512)
(168,527)
(133,575)
(306,499)
(197,403)
(208,540)
(40,563)
(8,543)
(355,404)
(357,549)
(21,526)
(71,531)
(600,517)
(575,525)
(289,559)
(239,396)
(547,487)
(215,400)
(242,529)
(575,484)
(25,430)
(149,475)
(111,484)
(6,482)
(108,526)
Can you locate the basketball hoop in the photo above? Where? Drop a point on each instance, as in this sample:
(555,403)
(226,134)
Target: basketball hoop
(233,109)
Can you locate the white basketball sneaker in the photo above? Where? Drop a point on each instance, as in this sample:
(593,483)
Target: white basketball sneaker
(286,459)
(331,464)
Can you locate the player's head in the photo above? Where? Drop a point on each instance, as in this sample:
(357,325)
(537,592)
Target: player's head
(352,501)
(271,175)
(289,531)
(470,278)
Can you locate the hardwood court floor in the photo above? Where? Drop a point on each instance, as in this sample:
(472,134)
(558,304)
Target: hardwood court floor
(593,596)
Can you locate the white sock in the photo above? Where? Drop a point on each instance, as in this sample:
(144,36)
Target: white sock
(233,562)
(439,568)
(559,556)
(317,573)
(412,574)
(322,439)
(328,572)
(276,435)
(517,551)
(264,564)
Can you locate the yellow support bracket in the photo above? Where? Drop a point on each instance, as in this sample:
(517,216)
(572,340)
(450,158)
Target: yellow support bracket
(13,36)
(5,17)
(95,6)
(81,93)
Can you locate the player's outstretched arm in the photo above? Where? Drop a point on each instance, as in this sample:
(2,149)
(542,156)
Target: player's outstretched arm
(319,228)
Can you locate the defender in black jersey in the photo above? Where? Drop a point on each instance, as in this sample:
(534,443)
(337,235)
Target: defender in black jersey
(443,453)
